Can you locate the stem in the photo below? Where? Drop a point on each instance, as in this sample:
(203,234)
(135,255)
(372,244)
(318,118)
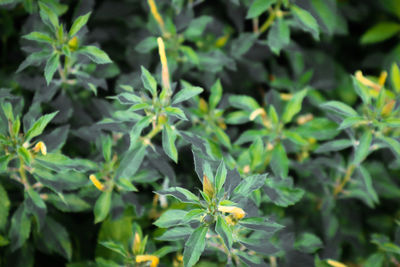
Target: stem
(271,17)
(22,173)
(339,187)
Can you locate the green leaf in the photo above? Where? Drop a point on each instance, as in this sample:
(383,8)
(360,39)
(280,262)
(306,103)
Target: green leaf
(261,224)
(395,77)
(220,176)
(241,45)
(194,246)
(222,137)
(102,206)
(8,110)
(248,185)
(380,32)
(39,37)
(177,112)
(244,102)
(137,130)
(20,227)
(126,185)
(216,94)
(4,207)
(362,149)
(33,59)
(168,142)
(393,144)
(294,106)
(278,36)
(308,243)
(149,82)
(327,12)
(79,23)
(258,7)
(95,54)
(280,162)
(352,122)
(116,247)
(146,45)
(48,16)
(176,233)
(361,90)
(197,27)
(51,66)
(306,20)
(170,218)
(190,54)
(224,231)
(181,194)
(282,193)
(340,108)
(186,93)
(335,145)
(25,154)
(131,162)
(38,127)
(375,260)
(55,237)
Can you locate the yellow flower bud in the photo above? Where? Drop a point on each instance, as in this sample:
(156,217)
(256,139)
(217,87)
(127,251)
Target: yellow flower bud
(236,211)
(208,188)
(304,119)
(335,263)
(203,106)
(164,64)
(156,15)
(387,109)
(286,97)
(99,185)
(136,244)
(382,78)
(40,146)
(73,43)
(256,113)
(360,77)
(143,258)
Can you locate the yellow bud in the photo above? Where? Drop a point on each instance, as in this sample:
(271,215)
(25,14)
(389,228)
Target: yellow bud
(246,169)
(256,113)
(229,220)
(221,41)
(336,263)
(382,78)
(236,211)
(286,97)
(136,244)
(164,64)
(360,77)
(73,43)
(156,15)
(304,119)
(208,188)
(270,146)
(40,146)
(312,140)
(203,106)
(143,258)
(387,109)
(162,119)
(99,185)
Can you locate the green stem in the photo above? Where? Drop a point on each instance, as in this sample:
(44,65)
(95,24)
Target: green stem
(22,173)
(271,18)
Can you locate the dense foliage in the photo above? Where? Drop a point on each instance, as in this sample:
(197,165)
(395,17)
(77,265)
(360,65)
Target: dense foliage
(206,133)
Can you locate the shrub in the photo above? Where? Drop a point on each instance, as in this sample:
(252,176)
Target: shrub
(111,109)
